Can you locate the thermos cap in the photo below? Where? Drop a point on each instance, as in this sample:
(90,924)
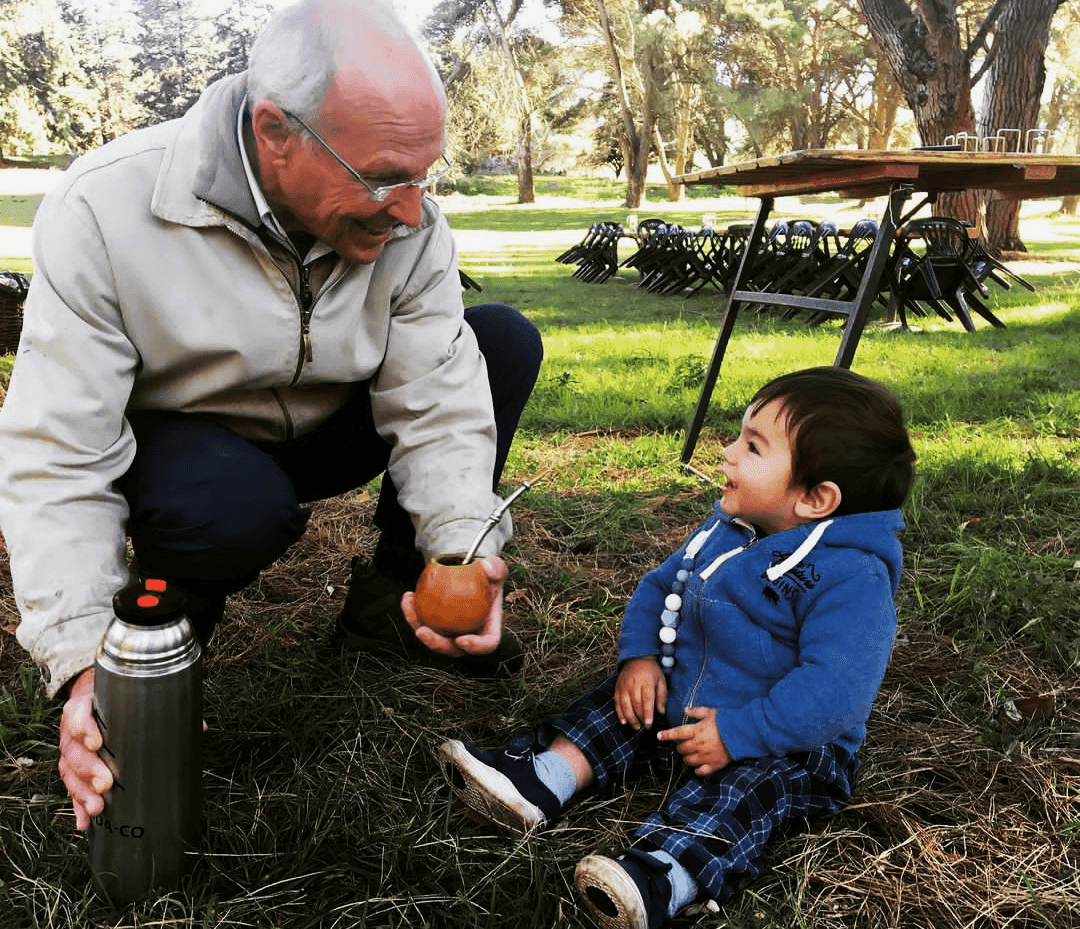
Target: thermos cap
(151,634)
(151,602)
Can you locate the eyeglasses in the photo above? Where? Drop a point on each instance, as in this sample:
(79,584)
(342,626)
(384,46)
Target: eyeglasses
(378,194)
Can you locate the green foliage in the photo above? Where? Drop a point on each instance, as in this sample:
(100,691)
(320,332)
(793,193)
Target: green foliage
(174,54)
(74,75)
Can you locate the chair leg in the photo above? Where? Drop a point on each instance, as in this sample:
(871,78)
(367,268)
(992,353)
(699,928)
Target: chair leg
(960,307)
(984,311)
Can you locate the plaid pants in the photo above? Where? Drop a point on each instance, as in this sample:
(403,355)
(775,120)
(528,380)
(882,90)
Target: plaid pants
(715,826)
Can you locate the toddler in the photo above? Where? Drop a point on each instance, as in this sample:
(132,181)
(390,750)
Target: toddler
(748,661)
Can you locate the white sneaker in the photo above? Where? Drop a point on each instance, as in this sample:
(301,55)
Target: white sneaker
(503,788)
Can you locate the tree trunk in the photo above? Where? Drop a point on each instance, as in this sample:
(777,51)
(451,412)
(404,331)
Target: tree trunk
(635,141)
(526,193)
(687,96)
(499,29)
(885,100)
(928,60)
(675,191)
(1016,79)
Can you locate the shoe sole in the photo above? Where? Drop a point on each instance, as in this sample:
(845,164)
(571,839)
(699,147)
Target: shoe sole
(347,641)
(610,893)
(487,791)
(507,660)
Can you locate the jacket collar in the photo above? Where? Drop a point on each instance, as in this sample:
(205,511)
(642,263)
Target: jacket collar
(202,173)
(220,178)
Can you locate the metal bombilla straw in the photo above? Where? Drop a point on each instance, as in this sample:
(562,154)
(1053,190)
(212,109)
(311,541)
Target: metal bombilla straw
(493,520)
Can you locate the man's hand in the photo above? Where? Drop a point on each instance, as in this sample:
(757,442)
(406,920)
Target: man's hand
(640,692)
(85,775)
(699,743)
(482,642)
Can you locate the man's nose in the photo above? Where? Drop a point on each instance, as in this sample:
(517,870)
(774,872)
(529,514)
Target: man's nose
(403,204)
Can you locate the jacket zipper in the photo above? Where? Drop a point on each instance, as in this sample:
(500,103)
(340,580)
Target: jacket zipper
(306,304)
(705,643)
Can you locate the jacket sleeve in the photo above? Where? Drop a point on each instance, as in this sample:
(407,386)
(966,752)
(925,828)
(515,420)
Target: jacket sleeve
(845,640)
(63,441)
(432,403)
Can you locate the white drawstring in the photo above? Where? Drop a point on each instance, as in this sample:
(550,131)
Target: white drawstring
(707,573)
(779,570)
(694,545)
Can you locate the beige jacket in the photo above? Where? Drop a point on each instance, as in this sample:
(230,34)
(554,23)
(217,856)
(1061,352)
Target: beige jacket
(153,290)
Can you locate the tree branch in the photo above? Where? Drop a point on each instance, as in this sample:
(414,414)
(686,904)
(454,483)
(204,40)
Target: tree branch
(984,32)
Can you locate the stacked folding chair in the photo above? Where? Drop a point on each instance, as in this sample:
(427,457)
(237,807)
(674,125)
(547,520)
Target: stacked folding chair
(674,260)
(936,264)
(596,255)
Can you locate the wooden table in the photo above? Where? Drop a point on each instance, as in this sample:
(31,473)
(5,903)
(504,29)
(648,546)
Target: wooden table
(864,175)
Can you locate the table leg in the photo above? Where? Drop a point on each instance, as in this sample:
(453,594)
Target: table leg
(868,287)
(727,324)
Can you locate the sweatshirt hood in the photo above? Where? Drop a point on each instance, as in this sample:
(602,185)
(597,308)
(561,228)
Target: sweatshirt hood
(874,533)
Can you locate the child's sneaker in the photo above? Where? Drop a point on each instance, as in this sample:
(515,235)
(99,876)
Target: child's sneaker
(628,892)
(502,787)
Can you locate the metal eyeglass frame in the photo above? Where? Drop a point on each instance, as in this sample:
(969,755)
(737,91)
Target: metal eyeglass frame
(378,194)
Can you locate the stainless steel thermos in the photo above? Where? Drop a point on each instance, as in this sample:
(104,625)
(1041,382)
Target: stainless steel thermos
(148,705)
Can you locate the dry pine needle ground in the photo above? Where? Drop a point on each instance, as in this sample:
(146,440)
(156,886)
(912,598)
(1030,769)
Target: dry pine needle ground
(966,813)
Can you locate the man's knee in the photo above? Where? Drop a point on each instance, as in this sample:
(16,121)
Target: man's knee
(208,505)
(506,336)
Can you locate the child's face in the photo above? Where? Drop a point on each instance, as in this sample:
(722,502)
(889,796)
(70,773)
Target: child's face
(758,471)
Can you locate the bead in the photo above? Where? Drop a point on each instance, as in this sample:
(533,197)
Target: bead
(672,604)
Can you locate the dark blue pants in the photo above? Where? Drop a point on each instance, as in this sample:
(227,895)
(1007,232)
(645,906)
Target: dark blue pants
(210,509)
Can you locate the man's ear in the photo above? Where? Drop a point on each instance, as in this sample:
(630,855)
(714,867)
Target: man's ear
(818,502)
(271,129)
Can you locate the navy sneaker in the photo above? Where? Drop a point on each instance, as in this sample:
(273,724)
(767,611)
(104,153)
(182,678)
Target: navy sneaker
(627,892)
(501,787)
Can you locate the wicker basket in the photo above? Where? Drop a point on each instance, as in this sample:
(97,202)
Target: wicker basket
(13,287)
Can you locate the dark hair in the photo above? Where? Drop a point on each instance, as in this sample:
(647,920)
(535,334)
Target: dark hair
(847,429)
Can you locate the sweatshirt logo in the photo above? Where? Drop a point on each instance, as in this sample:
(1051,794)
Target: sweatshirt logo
(800,577)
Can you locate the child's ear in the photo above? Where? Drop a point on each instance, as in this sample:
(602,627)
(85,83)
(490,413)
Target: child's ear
(818,502)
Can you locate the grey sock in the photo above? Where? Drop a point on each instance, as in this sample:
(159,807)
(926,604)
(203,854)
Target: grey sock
(684,888)
(556,774)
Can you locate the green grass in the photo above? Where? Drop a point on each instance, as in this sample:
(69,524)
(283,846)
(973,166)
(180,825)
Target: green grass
(324,804)
(19,210)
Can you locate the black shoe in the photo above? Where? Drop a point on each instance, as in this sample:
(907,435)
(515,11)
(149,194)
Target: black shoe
(502,787)
(631,891)
(372,621)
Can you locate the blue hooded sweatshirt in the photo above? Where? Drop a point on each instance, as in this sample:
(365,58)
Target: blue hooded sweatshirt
(786,636)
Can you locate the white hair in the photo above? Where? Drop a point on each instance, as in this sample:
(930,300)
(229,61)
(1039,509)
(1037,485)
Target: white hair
(298,53)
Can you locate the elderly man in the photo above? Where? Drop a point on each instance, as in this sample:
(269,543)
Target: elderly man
(240,311)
